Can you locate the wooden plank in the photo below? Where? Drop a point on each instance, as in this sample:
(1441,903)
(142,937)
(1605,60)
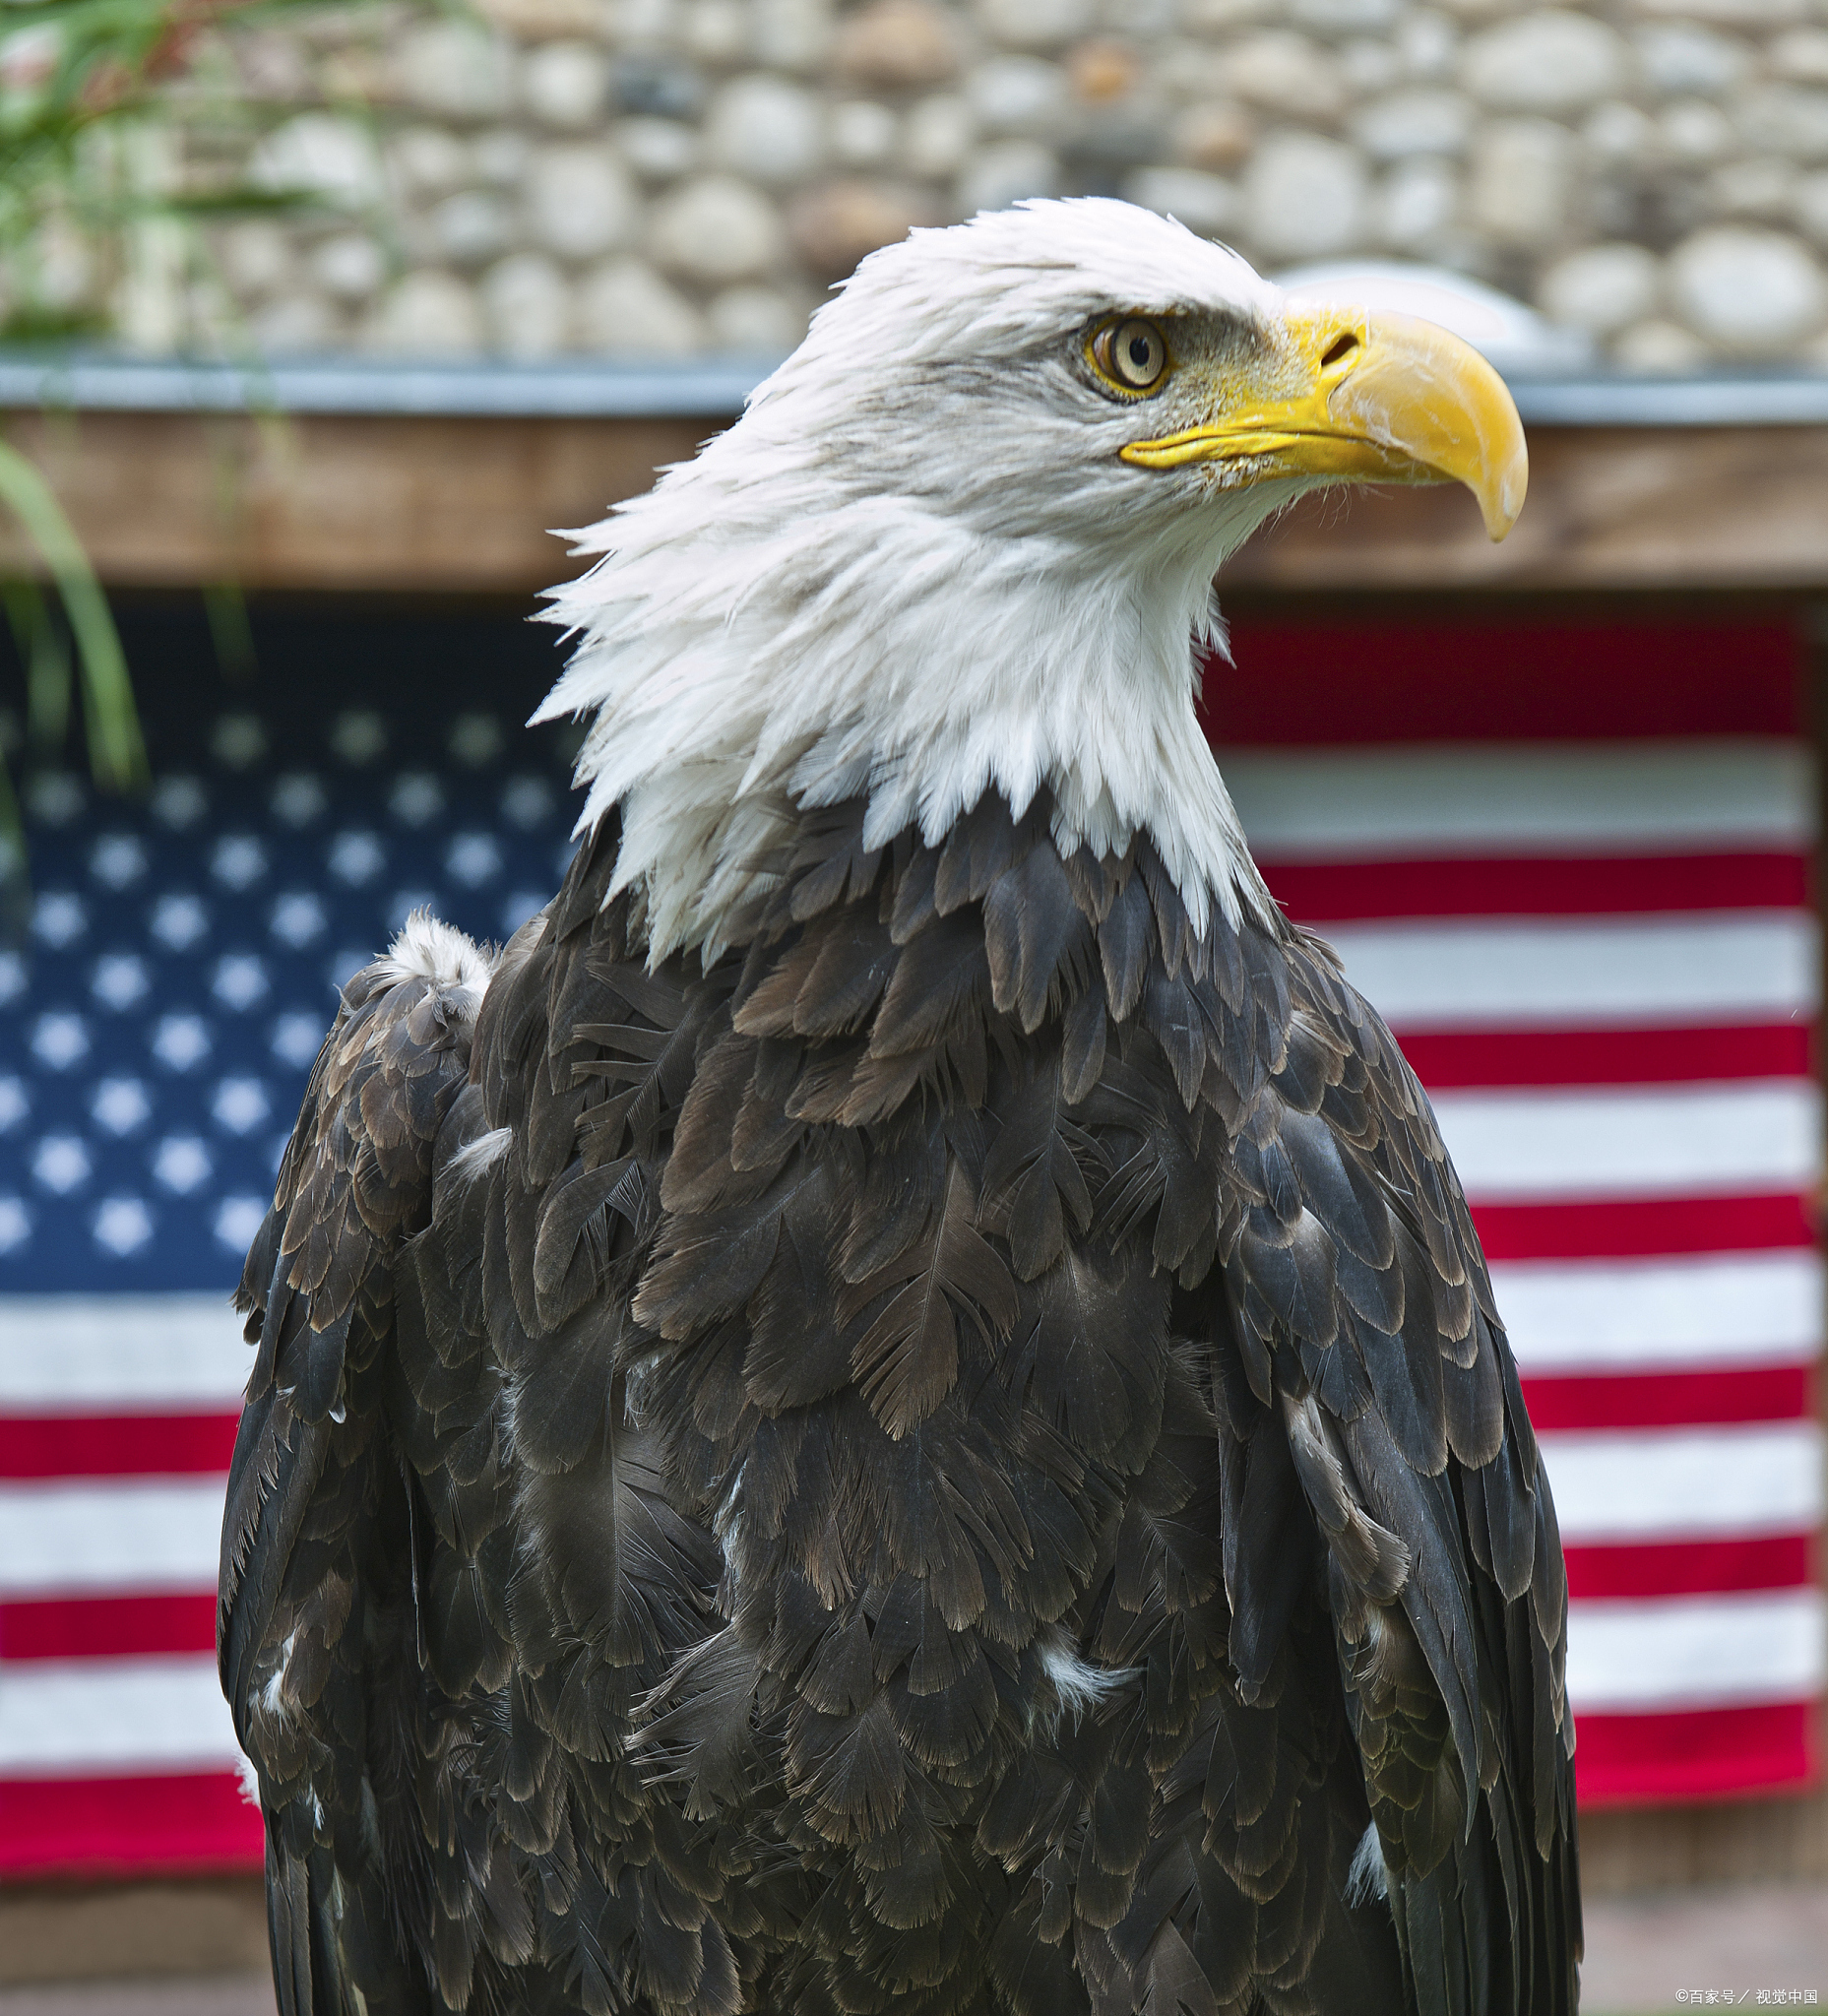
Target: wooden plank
(73,1932)
(1627,1852)
(455,505)
(313,502)
(1624,508)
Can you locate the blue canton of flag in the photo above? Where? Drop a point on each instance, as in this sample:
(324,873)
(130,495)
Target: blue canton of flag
(157,1028)
(156,1031)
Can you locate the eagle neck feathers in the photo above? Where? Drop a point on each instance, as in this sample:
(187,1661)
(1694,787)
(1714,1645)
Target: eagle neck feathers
(739,671)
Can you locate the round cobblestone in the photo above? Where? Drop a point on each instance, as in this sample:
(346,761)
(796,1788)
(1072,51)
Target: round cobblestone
(430,314)
(1036,23)
(625,309)
(1413,123)
(766,129)
(1303,197)
(1545,62)
(658,150)
(843,220)
(350,267)
(472,227)
(1017,95)
(1004,173)
(862,133)
(331,155)
(1415,206)
(565,85)
(897,45)
(1522,178)
(1204,202)
(527,306)
(758,320)
(937,136)
(1602,288)
(427,161)
(580,202)
(1285,72)
(255,257)
(1750,292)
(456,68)
(716,229)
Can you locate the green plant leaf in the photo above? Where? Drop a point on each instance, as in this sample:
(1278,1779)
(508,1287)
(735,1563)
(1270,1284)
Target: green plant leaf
(116,749)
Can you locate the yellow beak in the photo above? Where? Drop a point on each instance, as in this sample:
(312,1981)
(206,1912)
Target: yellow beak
(1364,399)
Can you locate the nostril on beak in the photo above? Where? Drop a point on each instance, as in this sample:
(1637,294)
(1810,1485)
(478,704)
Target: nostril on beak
(1340,347)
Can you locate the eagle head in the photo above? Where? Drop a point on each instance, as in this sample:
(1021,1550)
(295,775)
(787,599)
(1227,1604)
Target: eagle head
(965,538)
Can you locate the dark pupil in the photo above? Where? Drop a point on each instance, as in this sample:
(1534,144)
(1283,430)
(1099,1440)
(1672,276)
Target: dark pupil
(1139,351)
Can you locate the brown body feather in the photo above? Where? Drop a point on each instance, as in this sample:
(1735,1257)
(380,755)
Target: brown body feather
(954,1462)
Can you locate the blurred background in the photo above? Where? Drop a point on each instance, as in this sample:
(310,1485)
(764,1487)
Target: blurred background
(661,178)
(314,319)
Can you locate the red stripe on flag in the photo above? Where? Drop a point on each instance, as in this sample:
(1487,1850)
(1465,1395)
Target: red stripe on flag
(1637,1228)
(1334,892)
(1693,1567)
(172,1824)
(115,1445)
(1704,1754)
(107,1626)
(1504,679)
(1605,1057)
(1670,1400)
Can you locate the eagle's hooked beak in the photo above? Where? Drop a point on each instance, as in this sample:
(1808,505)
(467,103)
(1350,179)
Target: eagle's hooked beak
(1366,399)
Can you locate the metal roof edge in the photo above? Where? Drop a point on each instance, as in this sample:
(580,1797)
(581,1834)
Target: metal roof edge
(714,388)
(1725,399)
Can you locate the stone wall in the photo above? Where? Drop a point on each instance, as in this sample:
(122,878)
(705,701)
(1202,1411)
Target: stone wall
(648,179)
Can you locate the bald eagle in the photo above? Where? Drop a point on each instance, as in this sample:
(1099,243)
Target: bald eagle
(895,1407)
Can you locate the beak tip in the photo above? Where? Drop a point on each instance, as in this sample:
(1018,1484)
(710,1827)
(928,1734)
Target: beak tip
(1501,503)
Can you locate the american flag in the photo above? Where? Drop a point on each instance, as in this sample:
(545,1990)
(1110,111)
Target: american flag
(1569,864)
(155,1033)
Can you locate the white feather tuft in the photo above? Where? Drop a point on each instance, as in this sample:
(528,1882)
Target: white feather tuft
(916,569)
(1079,1686)
(476,1158)
(1368,1876)
(426,948)
(271,1695)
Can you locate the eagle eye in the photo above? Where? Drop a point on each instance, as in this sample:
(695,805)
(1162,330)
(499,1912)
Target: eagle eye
(1130,355)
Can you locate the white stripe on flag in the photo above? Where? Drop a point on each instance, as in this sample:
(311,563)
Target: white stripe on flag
(1670,1484)
(121,1354)
(68,1539)
(1325,804)
(1659,1141)
(94,1716)
(1707,968)
(1695,1651)
(1616,1315)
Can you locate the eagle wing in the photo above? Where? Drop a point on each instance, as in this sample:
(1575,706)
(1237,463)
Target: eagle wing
(317,1560)
(449,1565)
(1362,1368)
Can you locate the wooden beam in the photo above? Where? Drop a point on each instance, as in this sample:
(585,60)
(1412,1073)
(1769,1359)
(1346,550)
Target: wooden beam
(1609,508)
(452,505)
(314,502)
(181,1926)
(1627,1852)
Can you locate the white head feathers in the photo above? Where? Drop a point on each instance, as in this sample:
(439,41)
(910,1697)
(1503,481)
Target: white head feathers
(916,569)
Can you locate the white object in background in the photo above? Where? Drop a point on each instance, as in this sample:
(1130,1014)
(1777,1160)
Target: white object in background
(1508,335)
